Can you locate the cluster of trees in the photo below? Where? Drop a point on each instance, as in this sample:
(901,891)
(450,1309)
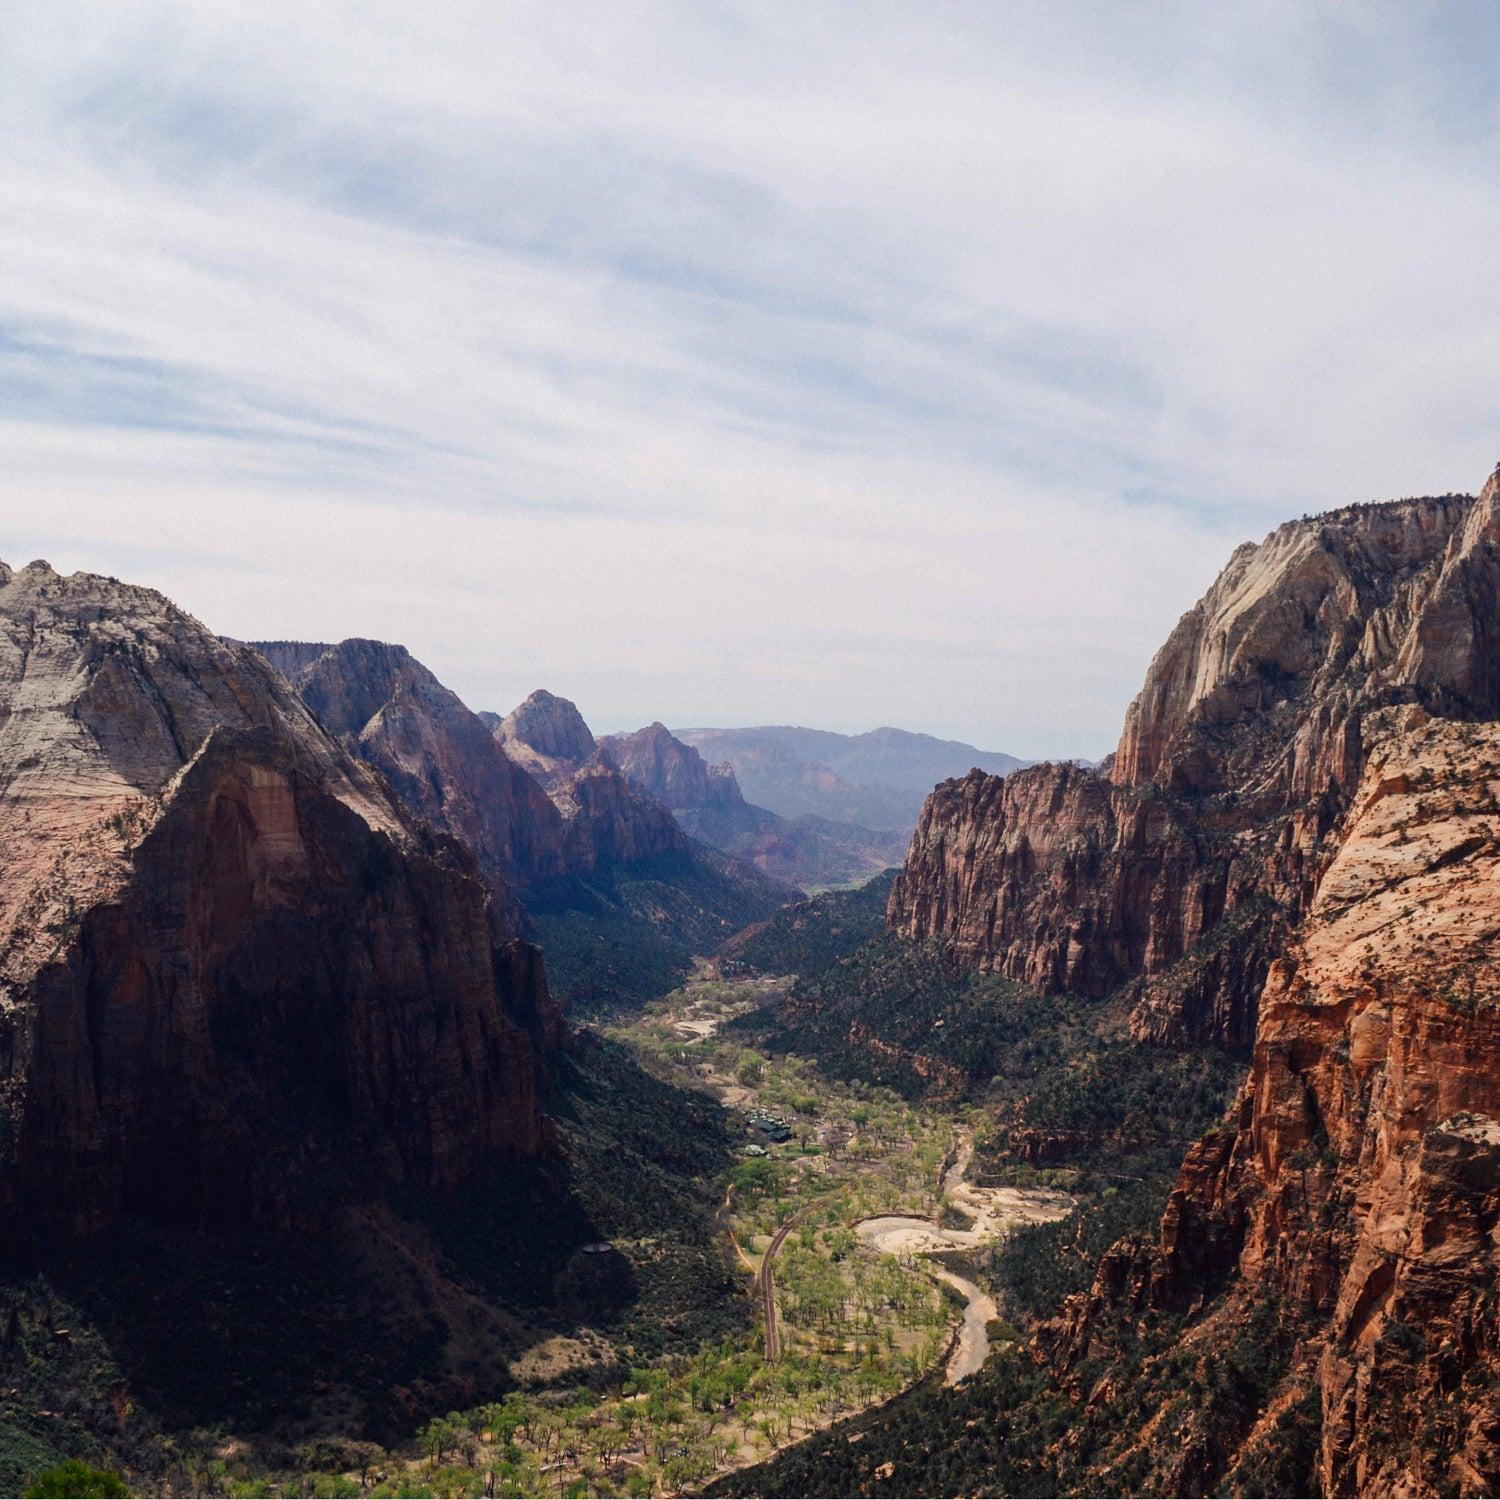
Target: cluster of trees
(1018,1428)
(668,1426)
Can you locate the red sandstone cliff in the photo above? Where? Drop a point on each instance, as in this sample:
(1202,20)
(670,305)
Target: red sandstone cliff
(590,842)
(235,974)
(1354,1193)
(658,763)
(1181,867)
(482,785)
(443,762)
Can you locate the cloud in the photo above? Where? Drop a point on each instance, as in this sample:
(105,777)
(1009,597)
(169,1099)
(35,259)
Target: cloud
(721,363)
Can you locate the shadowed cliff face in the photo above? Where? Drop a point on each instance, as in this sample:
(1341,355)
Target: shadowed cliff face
(386,708)
(1182,865)
(590,848)
(235,976)
(479,784)
(1354,1192)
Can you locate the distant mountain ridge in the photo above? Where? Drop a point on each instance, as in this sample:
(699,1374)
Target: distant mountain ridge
(554,826)
(706,800)
(875,780)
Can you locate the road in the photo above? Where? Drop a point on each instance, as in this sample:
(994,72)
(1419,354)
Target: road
(768,1288)
(972,1347)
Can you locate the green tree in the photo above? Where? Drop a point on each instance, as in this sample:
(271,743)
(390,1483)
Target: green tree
(76,1478)
(437,1437)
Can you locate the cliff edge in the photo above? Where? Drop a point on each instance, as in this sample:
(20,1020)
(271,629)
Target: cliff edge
(1180,867)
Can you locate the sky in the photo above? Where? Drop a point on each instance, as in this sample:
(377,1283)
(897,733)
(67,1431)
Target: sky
(840,364)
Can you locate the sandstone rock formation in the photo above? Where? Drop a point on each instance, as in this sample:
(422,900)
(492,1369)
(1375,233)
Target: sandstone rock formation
(547,735)
(589,847)
(236,976)
(1179,866)
(609,823)
(444,763)
(661,765)
(480,783)
(1354,1193)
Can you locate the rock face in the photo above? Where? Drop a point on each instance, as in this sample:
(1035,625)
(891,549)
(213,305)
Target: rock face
(590,844)
(608,823)
(1181,865)
(235,974)
(1354,1193)
(547,735)
(452,769)
(674,773)
(444,763)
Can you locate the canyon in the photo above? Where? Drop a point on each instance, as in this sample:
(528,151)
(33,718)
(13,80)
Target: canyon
(805,850)
(269,952)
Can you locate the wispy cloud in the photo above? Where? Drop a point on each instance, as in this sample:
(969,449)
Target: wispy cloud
(841,363)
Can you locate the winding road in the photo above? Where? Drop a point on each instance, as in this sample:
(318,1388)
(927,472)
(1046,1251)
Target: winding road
(993,1211)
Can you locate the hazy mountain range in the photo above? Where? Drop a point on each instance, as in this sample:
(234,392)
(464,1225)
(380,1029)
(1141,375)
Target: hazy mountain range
(878,779)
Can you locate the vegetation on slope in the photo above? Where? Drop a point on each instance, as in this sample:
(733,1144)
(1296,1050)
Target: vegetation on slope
(1060,1097)
(628,935)
(200,1363)
(807,936)
(477,1346)
(1056,1080)
(1016,1429)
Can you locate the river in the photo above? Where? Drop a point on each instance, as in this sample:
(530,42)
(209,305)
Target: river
(994,1211)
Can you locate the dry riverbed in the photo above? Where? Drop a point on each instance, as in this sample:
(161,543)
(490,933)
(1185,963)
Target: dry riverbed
(994,1212)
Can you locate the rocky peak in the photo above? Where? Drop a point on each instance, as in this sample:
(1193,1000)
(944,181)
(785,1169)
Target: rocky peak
(1294,616)
(654,761)
(348,685)
(234,971)
(1180,868)
(541,842)
(547,735)
(107,689)
(610,823)
(444,763)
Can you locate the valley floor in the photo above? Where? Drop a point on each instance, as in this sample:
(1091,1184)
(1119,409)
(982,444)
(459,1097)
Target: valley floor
(780,1204)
